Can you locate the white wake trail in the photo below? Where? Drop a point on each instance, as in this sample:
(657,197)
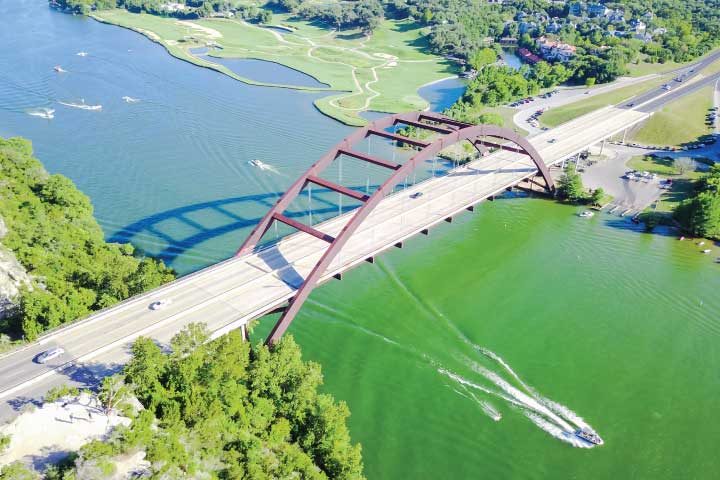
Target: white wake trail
(81,106)
(46,113)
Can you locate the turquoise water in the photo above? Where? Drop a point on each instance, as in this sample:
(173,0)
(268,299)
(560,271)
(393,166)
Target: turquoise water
(502,313)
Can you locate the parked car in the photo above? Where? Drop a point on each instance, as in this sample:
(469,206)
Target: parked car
(416,195)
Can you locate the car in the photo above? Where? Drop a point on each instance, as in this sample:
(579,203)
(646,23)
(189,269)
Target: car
(666,87)
(160,304)
(51,354)
(416,195)
(552,140)
(631,104)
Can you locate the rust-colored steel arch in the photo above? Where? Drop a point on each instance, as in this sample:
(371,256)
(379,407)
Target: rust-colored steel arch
(451,132)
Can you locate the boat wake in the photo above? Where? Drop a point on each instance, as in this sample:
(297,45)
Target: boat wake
(127,99)
(46,113)
(263,166)
(554,418)
(82,105)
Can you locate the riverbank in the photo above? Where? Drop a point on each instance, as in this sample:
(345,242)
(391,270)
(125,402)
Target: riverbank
(380,72)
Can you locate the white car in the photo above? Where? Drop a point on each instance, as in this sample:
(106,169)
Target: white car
(51,354)
(160,304)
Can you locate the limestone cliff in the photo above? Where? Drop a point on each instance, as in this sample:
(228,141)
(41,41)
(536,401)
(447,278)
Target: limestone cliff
(12,276)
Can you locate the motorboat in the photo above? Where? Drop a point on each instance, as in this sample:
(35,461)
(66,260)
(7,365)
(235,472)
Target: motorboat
(255,163)
(82,54)
(707,250)
(586,214)
(588,436)
(59,69)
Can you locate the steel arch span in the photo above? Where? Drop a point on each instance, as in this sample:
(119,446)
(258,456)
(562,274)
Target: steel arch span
(447,133)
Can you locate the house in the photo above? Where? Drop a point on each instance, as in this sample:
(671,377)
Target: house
(597,10)
(648,15)
(552,27)
(638,26)
(659,31)
(616,16)
(525,27)
(528,56)
(555,50)
(645,37)
(575,9)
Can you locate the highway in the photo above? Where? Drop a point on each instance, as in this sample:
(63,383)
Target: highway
(227,295)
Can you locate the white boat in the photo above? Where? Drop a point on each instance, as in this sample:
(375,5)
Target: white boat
(589,436)
(586,214)
(130,99)
(82,54)
(59,69)
(707,250)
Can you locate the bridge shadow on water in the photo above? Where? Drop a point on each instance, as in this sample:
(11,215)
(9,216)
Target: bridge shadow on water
(227,217)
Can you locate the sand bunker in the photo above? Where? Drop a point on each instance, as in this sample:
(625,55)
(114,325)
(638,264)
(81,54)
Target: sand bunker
(210,32)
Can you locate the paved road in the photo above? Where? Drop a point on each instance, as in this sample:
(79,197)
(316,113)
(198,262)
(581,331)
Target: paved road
(228,295)
(573,94)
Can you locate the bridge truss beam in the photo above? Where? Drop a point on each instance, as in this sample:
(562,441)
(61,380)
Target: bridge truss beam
(450,132)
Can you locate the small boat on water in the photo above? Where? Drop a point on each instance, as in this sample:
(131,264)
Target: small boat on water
(130,99)
(701,243)
(588,436)
(586,214)
(707,250)
(82,54)
(59,69)
(256,163)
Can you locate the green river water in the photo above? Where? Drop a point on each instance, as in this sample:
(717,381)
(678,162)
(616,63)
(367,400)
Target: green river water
(464,354)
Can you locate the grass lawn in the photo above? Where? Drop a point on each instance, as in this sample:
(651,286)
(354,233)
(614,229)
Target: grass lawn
(560,115)
(642,68)
(380,73)
(679,122)
(666,167)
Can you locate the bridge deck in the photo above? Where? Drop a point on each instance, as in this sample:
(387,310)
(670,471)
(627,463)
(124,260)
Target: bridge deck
(233,292)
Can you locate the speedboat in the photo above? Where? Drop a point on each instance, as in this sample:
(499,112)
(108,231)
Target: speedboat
(707,250)
(255,163)
(586,214)
(81,54)
(59,69)
(588,436)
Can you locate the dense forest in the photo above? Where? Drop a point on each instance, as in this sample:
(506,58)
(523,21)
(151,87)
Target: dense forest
(700,214)
(54,235)
(221,410)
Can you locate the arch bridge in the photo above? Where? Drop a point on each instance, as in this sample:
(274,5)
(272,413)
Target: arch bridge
(423,137)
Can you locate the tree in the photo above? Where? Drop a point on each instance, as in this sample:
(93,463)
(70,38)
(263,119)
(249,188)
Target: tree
(17,471)
(113,392)
(482,57)
(4,442)
(700,214)
(589,82)
(597,195)
(570,185)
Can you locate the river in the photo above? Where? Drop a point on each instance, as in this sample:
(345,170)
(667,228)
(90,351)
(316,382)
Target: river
(520,310)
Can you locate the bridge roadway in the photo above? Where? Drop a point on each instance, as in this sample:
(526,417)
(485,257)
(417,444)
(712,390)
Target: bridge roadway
(227,295)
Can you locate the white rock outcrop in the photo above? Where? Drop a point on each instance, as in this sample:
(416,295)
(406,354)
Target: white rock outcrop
(12,276)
